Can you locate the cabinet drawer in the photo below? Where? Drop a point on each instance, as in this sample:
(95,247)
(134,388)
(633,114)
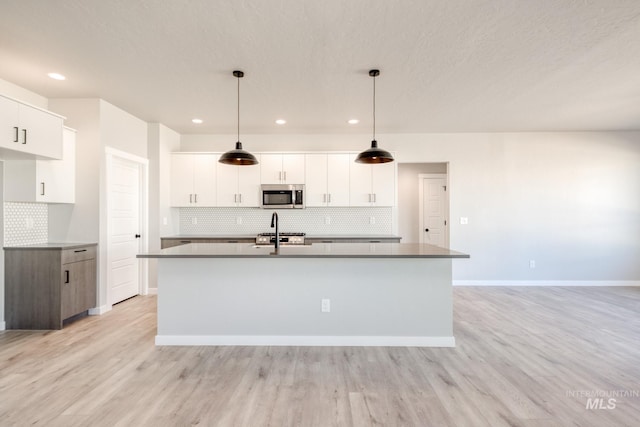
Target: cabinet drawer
(78,254)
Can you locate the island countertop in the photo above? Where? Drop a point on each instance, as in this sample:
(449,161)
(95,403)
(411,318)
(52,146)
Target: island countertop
(317,250)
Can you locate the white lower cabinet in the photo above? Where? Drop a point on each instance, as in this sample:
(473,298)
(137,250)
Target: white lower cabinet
(238,186)
(47,181)
(193,179)
(30,130)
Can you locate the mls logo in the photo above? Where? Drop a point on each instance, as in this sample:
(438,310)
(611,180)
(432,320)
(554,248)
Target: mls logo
(599,403)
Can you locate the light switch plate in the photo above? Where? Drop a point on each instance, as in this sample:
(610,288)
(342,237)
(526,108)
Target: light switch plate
(464,220)
(164,220)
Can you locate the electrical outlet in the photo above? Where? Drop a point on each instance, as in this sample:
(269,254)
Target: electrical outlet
(164,220)
(532,263)
(326,305)
(372,220)
(327,220)
(239,220)
(464,220)
(194,220)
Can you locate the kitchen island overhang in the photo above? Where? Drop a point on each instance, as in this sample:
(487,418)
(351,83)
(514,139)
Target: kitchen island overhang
(379,294)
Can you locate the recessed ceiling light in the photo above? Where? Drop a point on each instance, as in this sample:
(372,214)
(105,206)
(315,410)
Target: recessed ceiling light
(281,121)
(353,121)
(56,76)
(197,121)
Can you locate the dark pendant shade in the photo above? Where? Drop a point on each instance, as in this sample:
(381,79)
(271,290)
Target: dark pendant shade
(374,155)
(238,157)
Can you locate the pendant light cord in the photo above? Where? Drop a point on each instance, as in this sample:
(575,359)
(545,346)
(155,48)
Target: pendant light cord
(238,109)
(374,107)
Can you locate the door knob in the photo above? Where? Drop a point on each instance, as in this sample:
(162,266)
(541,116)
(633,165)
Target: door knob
(426,229)
(137,236)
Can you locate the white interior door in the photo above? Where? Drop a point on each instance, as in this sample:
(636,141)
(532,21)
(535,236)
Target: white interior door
(434,211)
(124,231)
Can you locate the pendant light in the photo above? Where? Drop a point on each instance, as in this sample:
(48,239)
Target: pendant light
(238,156)
(374,154)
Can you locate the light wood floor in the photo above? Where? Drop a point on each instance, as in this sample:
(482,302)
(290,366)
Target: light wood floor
(521,354)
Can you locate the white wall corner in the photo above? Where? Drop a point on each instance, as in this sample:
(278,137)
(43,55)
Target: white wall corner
(97,311)
(3,326)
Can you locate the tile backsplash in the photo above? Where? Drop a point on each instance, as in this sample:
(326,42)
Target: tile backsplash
(25,223)
(347,220)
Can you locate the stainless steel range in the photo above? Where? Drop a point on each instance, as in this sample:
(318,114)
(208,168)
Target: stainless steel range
(285,239)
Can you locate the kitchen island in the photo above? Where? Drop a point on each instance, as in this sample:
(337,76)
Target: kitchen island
(373,294)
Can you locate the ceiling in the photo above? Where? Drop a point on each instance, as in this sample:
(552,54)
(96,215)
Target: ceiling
(446,66)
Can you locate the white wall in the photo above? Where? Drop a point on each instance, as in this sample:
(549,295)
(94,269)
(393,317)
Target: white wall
(80,222)
(161,142)
(99,125)
(2,321)
(568,200)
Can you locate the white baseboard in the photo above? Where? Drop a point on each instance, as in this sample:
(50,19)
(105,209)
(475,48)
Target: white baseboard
(100,310)
(3,325)
(305,341)
(152,291)
(546,283)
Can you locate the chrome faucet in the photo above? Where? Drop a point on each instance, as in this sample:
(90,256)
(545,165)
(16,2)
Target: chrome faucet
(274,223)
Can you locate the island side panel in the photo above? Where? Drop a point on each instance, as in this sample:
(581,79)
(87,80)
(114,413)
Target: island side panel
(274,301)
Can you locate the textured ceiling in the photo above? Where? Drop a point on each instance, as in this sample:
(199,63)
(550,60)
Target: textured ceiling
(446,66)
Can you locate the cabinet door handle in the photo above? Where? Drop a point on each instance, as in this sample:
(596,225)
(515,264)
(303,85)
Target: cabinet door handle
(190,198)
(369,197)
(66,276)
(17,131)
(329,196)
(42,192)
(285,175)
(80,250)
(240,197)
(24,133)
(324,198)
(280,176)
(195,198)
(235,198)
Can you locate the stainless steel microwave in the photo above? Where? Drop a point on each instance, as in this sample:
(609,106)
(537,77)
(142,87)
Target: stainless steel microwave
(282,196)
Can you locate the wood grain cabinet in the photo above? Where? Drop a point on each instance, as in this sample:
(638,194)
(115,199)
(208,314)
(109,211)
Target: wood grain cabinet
(169,242)
(44,285)
(353,239)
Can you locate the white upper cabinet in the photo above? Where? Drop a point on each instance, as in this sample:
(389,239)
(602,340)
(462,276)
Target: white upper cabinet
(193,179)
(46,181)
(238,185)
(30,130)
(327,180)
(372,184)
(282,169)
